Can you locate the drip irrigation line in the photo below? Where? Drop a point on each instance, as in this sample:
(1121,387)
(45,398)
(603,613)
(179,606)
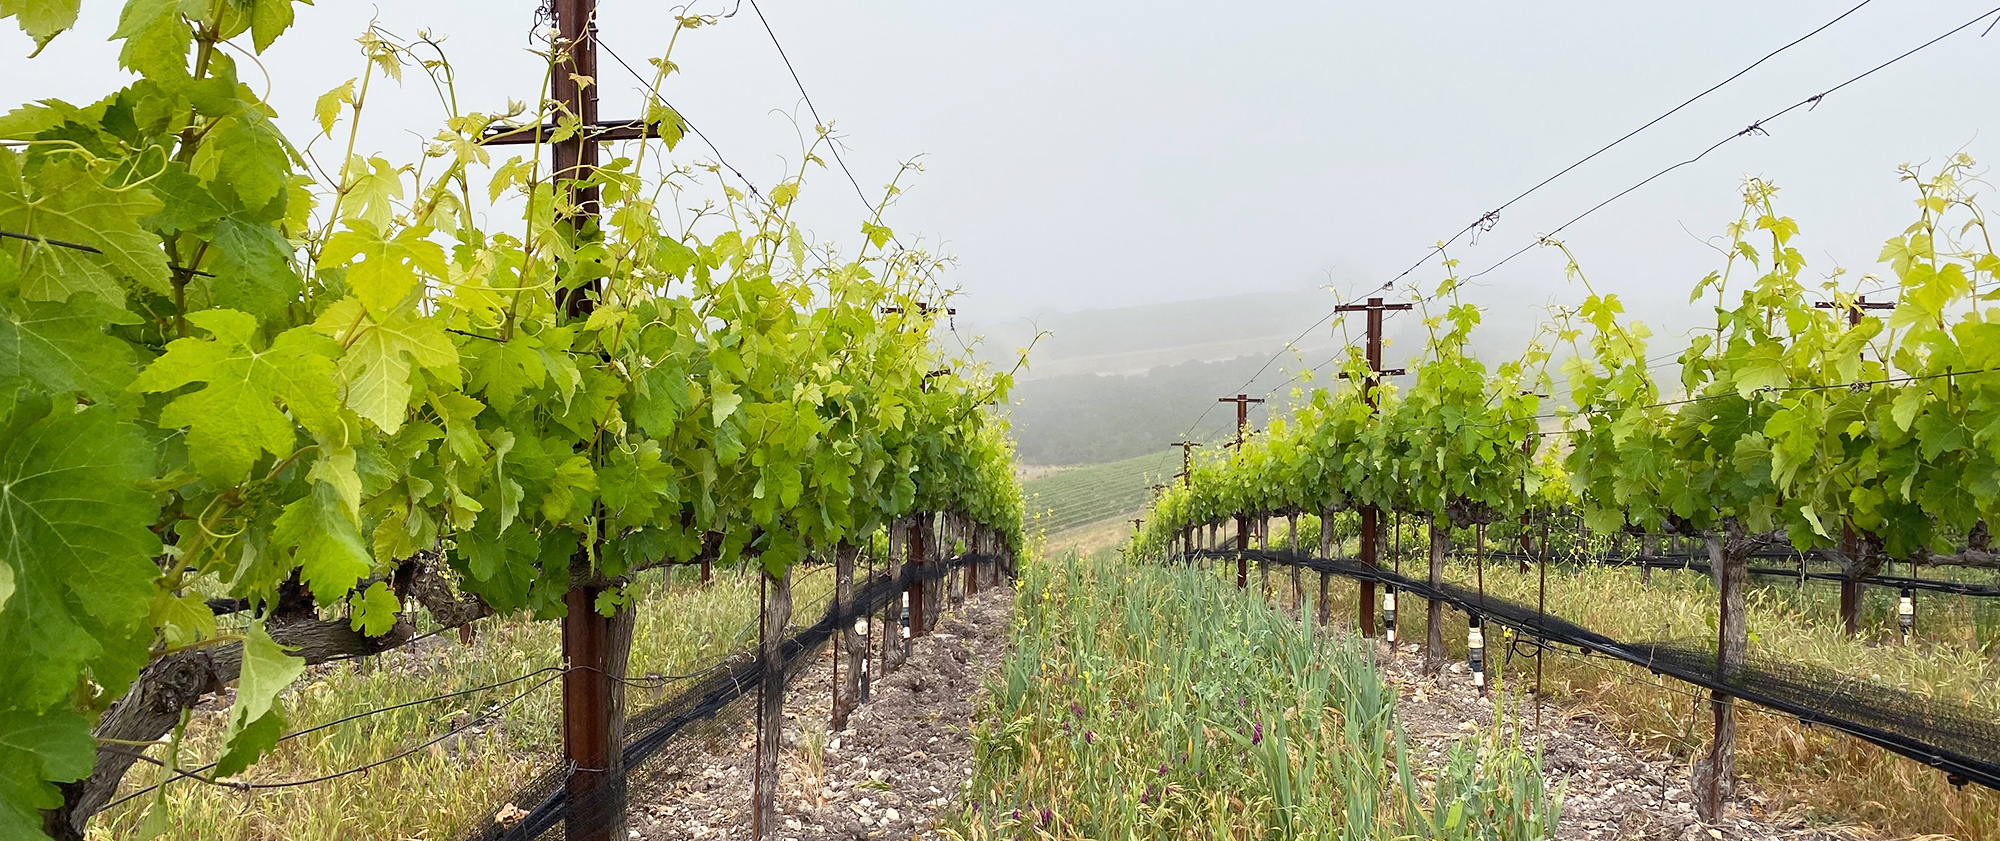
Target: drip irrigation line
(1700,564)
(1896,720)
(1754,129)
(545,800)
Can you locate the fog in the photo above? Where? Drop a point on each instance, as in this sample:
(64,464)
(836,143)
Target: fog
(1097,155)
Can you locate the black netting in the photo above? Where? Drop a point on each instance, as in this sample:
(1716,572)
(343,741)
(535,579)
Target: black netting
(1956,737)
(661,736)
(1699,563)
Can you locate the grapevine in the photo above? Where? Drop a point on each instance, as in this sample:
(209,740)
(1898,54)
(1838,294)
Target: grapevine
(228,363)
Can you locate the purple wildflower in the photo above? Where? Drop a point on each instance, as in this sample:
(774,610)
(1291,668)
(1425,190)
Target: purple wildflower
(1163,769)
(1257,733)
(1089,737)
(1076,709)
(1017,816)
(1047,815)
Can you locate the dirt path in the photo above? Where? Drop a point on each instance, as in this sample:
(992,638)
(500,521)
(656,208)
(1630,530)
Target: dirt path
(1614,791)
(905,754)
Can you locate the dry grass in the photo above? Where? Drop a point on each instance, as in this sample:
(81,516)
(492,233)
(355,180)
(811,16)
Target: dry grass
(436,791)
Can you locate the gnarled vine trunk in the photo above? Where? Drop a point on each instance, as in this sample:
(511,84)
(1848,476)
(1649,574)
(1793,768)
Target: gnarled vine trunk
(1715,774)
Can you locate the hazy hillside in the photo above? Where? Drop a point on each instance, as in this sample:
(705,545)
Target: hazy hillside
(1113,384)
(1134,340)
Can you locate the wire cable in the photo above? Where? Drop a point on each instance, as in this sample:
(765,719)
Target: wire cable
(1487,220)
(245,786)
(833,146)
(682,116)
(1754,129)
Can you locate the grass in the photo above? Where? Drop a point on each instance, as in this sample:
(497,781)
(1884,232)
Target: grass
(1826,777)
(1080,496)
(1140,702)
(436,792)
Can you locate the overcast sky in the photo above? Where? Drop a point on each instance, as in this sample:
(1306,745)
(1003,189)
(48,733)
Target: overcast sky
(1099,154)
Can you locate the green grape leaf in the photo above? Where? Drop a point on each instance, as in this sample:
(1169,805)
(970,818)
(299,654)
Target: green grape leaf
(77,550)
(327,108)
(383,355)
(244,155)
(252,742)
(36,750)
(183,620)
(61,348)
(1760,367)
(500,564)
(725,402)
(237,416)
(156,39)
(330,554)
(268,20)
(255,719)
(373,611)
(503,371)
(634,484)
(387,271)
(63,201)
(186,205)
(253,268)
(41,19)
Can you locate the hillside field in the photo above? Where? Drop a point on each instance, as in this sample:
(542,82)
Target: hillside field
(1078,496)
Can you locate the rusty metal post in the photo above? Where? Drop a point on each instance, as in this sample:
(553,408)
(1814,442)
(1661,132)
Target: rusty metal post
(1242,402)
(1850,590)
(586,721)
(1371,518)
(1371,526)
(1242,546)
(596,804)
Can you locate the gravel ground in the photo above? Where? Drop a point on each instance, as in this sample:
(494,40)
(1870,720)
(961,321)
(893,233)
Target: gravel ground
(1614,791)
(907,754)
(904,756)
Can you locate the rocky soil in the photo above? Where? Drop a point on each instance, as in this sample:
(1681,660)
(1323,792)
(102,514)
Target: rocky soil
(905,755)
